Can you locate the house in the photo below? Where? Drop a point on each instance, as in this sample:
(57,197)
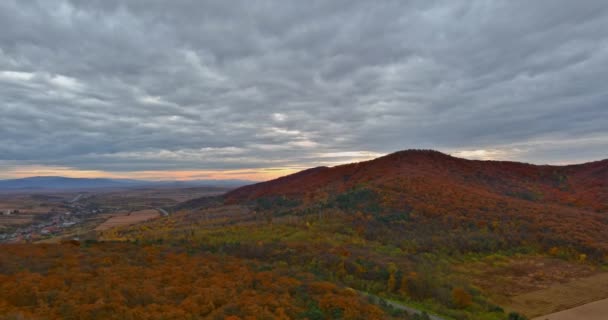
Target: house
(7,212)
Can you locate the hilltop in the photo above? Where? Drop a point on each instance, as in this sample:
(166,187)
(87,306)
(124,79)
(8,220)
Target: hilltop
(544,204)
(584,185)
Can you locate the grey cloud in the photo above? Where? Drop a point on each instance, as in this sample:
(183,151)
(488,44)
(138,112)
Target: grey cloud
(151,85)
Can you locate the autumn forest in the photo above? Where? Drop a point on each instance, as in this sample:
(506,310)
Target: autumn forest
(416,234)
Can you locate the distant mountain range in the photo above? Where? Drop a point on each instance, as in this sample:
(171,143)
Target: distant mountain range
(64,183)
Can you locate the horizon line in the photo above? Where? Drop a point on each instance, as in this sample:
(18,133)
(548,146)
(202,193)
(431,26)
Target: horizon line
(244,174)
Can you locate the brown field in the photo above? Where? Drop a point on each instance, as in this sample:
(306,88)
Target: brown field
(597,310)
(217,216)
(505,277)
(150,197)
(125,219)
(564,296)
(178,194)
(16,219)
(537,285)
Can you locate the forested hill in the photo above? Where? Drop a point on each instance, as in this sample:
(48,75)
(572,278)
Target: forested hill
(556,205)
(584,185)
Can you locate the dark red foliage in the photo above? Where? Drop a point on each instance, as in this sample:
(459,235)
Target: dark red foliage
(567,202)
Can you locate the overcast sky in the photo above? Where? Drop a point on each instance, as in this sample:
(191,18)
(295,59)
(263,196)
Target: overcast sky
(255,89)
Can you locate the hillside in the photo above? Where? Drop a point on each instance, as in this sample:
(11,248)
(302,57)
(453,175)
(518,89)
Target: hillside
(584,185)
(460,239)
(549,205)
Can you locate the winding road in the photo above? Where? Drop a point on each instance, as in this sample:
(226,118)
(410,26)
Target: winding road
(400,306)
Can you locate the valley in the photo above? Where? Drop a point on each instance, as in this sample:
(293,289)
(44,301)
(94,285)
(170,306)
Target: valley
(413,235)
(298,160)
(47,215)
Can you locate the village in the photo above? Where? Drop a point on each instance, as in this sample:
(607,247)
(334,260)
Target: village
(55,222)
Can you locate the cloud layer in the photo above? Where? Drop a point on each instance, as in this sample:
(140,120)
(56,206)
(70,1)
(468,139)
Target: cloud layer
(227,85)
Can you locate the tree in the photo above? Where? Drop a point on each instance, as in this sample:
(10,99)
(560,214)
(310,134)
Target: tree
(421,316)
(392,281)
(516,316)
(461,298)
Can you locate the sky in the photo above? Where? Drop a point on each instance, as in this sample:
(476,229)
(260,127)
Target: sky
(257,89)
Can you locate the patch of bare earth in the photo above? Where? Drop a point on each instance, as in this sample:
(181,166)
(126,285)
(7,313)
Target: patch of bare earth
(505,277)
(126,219)
(597,310)
(537,285)
(16,219)
(565,296)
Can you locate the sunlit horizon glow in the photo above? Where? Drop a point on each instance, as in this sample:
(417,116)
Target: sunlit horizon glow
(506,153)
(16,171)
(257,174)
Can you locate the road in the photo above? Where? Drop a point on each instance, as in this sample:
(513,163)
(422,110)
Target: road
(399,306)
(162,211)
(76,198)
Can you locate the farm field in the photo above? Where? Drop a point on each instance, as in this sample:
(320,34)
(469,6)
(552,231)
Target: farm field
(149,197)
(32,204)
(128,218)
(592,311)
(537,285)
(16,219)
(49,216)
(569,298)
